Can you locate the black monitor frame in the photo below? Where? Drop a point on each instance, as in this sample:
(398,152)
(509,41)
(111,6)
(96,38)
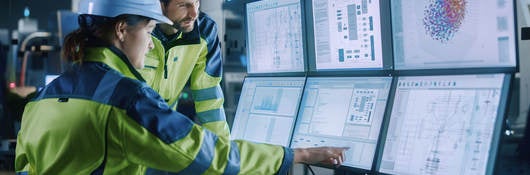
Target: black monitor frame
(389,70)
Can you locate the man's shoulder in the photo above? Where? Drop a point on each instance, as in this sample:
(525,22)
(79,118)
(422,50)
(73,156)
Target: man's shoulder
(206,25)
(205,18)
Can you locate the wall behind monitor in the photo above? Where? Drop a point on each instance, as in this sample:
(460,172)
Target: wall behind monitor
(234,39)
(234,54)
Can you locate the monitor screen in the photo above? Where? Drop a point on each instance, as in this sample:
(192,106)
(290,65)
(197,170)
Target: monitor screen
(444,124)
(275,37)
(49,78)
(267,109)
(343,111)
(435,34)
(347,34)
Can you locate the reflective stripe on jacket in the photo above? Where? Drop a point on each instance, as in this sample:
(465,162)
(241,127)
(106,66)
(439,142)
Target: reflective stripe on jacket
(99,118)
(193,57)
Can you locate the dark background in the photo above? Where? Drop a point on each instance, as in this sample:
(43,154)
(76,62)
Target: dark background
(42,10)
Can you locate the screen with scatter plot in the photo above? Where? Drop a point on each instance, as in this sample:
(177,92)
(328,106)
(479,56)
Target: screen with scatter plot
(275,37)
(445,124)
(343,111)
(441,34)
(267,109)
(347,34)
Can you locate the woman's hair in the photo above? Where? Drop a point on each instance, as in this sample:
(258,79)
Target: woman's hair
(91,26)
(165,2)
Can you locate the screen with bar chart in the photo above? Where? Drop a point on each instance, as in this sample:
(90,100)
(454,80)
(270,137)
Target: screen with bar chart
(267,109)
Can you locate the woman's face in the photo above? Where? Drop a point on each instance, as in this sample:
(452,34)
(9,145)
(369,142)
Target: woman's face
(136,42)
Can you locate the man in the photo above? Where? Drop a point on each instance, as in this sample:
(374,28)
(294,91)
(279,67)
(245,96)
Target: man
(188,52)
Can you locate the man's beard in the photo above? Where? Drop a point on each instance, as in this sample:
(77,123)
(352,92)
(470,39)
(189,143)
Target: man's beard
(187,29)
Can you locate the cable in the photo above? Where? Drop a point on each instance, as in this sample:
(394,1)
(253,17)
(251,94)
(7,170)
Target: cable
(23,69)
(310,169)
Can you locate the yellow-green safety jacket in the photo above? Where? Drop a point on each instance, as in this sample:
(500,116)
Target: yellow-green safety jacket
(195,57)
(99,117)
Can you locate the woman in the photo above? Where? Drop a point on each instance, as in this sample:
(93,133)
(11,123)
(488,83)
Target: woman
(100,117)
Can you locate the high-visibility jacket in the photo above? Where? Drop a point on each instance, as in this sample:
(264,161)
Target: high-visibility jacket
(99,117)
(193,57)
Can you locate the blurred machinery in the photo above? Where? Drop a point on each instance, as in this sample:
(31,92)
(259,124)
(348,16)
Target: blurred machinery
(29,56)
(33,54)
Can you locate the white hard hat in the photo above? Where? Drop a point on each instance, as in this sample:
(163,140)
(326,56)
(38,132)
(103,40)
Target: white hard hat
(113,8)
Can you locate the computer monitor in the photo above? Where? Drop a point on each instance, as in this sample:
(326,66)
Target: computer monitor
(445,124)
(346,35)
(453,34)
(49,78)
(343,111)
(267,109)
(275,36)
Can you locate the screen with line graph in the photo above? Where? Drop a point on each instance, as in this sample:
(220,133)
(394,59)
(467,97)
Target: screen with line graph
(347,34)
(275,37)
(429,34)
(444,124)
(267,109)
(343,111)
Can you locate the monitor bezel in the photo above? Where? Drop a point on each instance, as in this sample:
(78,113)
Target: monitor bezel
(454,71)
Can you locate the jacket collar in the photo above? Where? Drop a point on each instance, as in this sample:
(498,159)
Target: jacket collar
(114,58)
(179,38)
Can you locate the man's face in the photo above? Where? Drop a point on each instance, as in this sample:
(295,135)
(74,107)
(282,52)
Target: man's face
(183,13)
